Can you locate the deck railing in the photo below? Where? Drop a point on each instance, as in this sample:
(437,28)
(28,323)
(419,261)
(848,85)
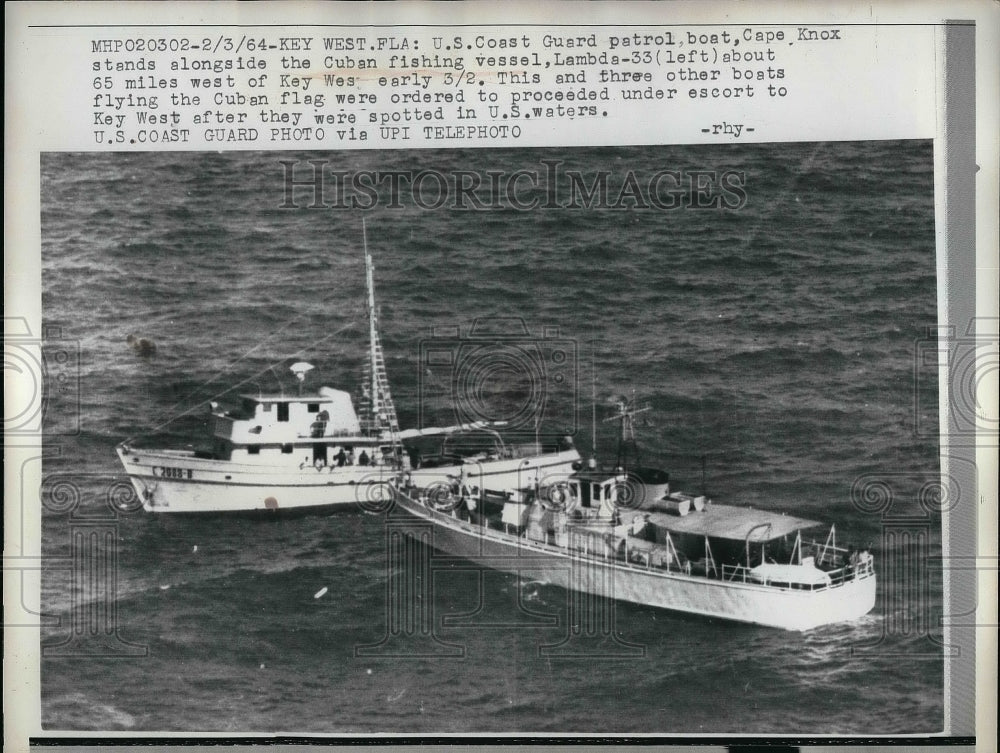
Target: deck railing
(838,577)
(683,566)
(825,553)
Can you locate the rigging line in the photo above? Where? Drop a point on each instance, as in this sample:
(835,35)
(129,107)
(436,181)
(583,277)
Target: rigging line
(782,197)
(229,367)
(249,379)
(239,384)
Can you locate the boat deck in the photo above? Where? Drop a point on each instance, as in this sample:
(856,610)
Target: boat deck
(648,556)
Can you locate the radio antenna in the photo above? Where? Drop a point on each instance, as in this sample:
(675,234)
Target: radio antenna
(593,398)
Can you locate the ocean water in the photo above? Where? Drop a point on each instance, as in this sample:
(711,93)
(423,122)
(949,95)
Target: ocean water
(774,344)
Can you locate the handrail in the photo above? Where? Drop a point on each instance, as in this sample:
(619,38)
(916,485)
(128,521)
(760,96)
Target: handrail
(831,540)
(765,526)
(671,565)
(733,571)
(816,545)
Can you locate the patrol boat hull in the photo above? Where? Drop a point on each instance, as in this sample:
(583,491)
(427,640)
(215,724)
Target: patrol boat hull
(600,574)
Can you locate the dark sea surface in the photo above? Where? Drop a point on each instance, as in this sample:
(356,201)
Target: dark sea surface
(776,341)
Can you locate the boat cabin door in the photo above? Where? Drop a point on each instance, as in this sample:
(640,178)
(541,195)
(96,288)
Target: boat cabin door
(319,454)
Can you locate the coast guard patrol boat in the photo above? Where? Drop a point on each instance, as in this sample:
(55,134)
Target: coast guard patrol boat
(314,450)
(627,536)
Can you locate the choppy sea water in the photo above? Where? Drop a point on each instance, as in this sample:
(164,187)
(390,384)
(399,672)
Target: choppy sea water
(775,345)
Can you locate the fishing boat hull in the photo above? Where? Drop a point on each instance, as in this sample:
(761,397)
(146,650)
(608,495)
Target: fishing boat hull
(180,482)
(747,602)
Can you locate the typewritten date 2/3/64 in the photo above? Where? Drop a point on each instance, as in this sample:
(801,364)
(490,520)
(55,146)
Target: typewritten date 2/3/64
(244,88)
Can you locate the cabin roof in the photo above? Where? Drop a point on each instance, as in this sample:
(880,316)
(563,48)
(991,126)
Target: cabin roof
(347,440)
(288,398)
(734,523)
(597,475)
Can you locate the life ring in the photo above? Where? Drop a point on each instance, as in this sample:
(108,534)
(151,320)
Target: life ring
(558,497)
(441,498)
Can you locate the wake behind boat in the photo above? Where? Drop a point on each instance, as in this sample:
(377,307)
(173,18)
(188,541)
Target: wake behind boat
(314,451)
(627,536)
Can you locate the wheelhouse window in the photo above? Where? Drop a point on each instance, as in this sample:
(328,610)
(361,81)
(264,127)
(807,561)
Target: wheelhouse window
(286,449)
(253,449)
(282,411)
(313,407)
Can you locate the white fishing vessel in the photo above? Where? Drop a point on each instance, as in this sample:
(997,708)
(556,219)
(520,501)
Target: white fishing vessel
(614,535)
(313,450)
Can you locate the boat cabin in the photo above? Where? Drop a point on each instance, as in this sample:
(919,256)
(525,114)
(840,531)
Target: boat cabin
(544,513)
(320,429)
(597,512)
(592,493)
(741,543)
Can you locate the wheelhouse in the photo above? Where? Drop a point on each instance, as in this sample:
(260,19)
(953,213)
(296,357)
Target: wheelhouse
(320,429)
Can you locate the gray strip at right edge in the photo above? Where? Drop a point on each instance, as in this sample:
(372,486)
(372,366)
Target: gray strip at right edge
(958,458)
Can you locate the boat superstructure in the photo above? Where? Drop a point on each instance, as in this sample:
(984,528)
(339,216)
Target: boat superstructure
(279,452)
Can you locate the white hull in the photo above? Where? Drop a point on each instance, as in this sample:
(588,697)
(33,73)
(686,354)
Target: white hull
(711,597)
(179,482)
(513,473)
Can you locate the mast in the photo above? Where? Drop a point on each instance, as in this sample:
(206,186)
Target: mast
(627,411)
(383,411)
(372,327)
(593,398)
